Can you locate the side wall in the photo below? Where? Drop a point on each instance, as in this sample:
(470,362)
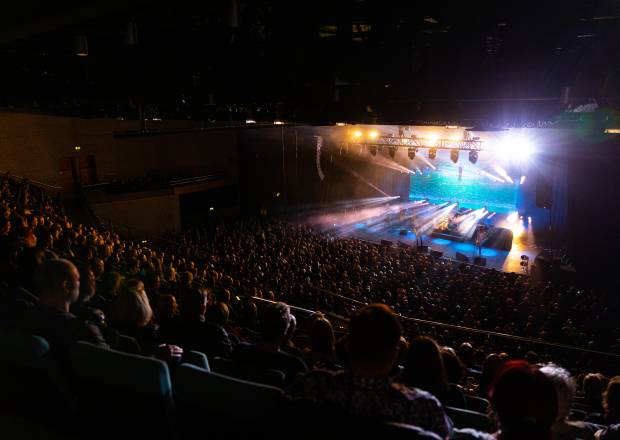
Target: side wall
(32,146)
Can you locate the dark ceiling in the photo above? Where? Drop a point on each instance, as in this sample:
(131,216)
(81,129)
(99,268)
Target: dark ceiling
(313,60)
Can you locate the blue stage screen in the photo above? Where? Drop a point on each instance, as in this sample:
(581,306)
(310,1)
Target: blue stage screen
(468,186)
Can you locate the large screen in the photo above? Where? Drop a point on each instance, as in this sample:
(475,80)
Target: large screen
(471,185)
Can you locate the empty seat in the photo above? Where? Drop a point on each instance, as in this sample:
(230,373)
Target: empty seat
(122,394)
(214,403)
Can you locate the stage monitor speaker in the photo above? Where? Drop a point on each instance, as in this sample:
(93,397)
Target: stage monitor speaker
(436,254)
(544,193)
(462,257)
(480,261)
(403,232)
(423,249)
(386,243)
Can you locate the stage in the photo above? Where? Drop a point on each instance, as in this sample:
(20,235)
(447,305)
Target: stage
(495,258)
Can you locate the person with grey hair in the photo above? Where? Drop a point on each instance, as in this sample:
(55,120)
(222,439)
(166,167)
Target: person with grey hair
(565,388)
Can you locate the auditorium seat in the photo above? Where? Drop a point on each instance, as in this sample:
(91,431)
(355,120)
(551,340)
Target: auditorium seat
(213,404)
(242,371)
(30,382)
(463,418)
(122,394)
(477,404)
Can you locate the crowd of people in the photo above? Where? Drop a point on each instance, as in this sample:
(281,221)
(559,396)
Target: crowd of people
(225,289)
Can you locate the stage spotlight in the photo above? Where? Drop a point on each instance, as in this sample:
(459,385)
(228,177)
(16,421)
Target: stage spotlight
(373,134)
(522,180)
(373,150)
(357,134)
(392,151)
(454,155)
(473,156)
(411,151)
(432,153)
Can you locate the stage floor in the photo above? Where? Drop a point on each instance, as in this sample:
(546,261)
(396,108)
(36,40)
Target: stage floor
(497,259)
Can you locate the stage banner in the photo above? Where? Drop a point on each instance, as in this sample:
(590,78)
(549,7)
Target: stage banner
(319,144)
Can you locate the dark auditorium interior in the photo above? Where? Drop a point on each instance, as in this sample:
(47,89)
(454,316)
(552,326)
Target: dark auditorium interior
(309,219)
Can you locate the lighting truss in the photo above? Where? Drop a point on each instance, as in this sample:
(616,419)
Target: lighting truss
(472,144)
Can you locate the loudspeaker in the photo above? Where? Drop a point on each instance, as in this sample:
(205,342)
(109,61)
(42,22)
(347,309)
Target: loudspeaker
(436,254)
(544,192)
(423,249)
(462,257)
(480,261)
(403,232)
(386,243)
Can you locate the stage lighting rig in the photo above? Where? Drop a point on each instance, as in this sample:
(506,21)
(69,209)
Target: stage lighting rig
(373,150)
(432,153)
(392,151)
(411,151)
(454,155)
(473,156)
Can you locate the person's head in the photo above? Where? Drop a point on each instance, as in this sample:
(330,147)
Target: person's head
(564,385)
(112,284)
(466,353)
(374,335)
(58,282)
(218,313)
(524,401)
(322,339)
(424,367)
(454,367)
(594,384)
(98,267)
(611,400)
(131,307)
(167,307)
(274,320)
(87,284)
(193,303)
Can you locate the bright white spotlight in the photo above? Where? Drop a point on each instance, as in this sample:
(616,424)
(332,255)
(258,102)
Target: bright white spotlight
(357,134)
(512,217)
(250,121)
(278,123)
(373,134)
(514,149)
(340,124)
(529,219)
(522,180)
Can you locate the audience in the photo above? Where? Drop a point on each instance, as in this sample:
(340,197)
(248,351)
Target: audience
(366,388)
(129,288)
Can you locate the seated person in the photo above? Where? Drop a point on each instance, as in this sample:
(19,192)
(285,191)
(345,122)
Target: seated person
(525,403)
(59,287)
(267,353)
(366,389)
(190,330)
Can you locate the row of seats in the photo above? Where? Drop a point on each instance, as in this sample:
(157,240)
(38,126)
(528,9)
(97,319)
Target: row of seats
(120,395)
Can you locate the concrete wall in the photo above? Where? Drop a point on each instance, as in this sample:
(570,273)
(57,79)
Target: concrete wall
(32,145)
(153,214)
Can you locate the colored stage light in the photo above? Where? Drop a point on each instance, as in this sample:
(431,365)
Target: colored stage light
(454,155)
(411,151)
(522,180)
(473,156)
(357,134)
(432,153)
(373,134)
